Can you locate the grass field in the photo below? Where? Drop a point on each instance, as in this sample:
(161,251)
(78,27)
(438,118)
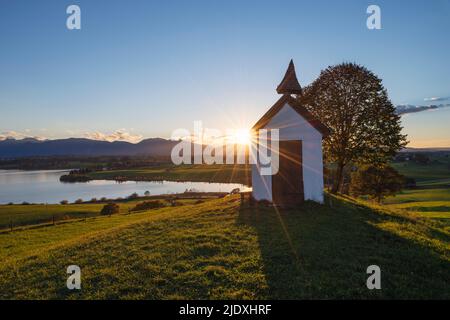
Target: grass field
(436,173)
(220,249)
(200,173)
(34,214)
(431,203)
(431,198)
(20,215)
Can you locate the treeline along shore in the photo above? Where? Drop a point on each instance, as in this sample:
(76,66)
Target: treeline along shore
(167,172)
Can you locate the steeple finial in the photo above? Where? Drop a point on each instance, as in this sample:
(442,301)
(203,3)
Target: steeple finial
(289,84)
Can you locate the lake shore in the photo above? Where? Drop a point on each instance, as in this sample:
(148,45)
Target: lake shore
(45,187)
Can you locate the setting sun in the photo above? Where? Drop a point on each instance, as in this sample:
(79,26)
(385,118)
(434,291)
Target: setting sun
(242,136)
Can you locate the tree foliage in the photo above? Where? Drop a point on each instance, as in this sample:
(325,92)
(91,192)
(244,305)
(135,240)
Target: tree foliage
(352,102)
(110,208)
(147,205)
(376,181)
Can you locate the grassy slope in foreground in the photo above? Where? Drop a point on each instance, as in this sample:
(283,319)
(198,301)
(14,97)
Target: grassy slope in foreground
(219,249)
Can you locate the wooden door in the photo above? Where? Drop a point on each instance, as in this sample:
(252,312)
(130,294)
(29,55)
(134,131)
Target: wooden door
(287,184)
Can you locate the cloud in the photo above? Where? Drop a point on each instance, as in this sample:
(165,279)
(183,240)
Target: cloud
(437,99)
(18,135)
(118,135)
(408,108)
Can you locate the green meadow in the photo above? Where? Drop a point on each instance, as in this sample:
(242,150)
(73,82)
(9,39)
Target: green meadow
(33,215)
(22,215)
(436,173)
(431,197)
(225,249)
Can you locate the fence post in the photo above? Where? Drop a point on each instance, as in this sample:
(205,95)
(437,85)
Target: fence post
(11,225)
(53,219)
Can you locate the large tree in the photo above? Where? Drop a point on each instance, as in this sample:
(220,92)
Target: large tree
(352,102)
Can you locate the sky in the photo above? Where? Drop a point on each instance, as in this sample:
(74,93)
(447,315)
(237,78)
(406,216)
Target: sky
(139,69)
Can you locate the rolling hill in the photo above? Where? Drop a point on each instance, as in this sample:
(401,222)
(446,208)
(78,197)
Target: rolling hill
(12,148)
(223,249)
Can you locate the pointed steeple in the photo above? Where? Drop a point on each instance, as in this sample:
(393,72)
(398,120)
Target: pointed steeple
(289,84)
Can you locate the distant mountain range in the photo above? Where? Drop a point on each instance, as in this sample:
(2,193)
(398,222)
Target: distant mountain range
(29,147)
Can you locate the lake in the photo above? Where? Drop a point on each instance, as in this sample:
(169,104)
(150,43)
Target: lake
(43,186)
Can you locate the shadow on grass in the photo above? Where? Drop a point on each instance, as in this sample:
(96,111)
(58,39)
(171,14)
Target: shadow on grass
(431,209)
(322,252)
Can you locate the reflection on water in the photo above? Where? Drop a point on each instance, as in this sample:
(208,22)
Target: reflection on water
(43,186)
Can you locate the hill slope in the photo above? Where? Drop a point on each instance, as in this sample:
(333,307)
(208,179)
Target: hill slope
(84,147)
(222,249)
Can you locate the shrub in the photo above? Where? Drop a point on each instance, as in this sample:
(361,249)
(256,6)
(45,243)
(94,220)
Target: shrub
(146,205)
(376,182)
(64,202)
(133,196)
(110,208)
(78,201)
(410,182)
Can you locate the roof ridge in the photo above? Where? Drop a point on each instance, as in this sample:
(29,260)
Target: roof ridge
(299,108)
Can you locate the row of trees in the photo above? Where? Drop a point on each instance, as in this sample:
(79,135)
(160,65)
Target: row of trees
(365,129)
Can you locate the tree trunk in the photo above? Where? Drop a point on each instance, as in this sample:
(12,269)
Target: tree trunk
(339,175)
(379,198)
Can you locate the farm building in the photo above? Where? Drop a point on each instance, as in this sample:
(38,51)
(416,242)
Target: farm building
(300,167)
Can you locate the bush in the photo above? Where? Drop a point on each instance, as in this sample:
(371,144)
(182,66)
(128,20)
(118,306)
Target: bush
(376,182)
(78,201)
(410,182)
(64,202)
(110,208)
(133,196)
(147,205)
